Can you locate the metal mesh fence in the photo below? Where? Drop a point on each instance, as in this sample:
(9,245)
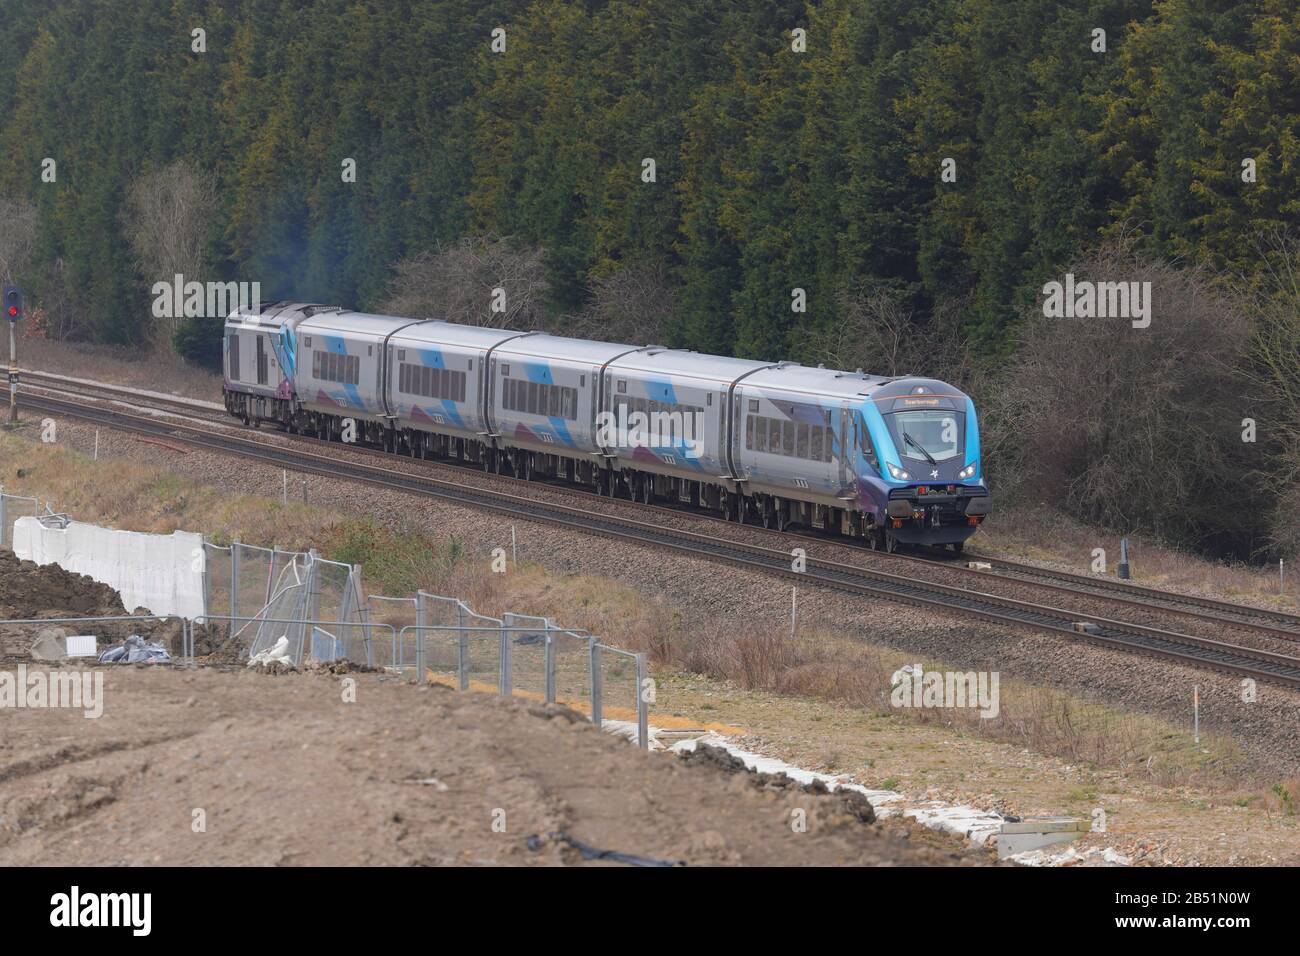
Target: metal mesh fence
(571,671)
(400,614)
(318,608)
(299,588)
(13,507)
(216,579)
(526,664)
(618,686)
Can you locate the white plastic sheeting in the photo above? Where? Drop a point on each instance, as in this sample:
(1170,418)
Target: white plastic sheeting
(163,572)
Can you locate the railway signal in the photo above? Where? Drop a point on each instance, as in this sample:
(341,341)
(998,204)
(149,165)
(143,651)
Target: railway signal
(13,311)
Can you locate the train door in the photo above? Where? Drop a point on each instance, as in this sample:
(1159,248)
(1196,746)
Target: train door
(592,395)
(720,444)
(734,418)
(847,431)
(263,373)
(489,391)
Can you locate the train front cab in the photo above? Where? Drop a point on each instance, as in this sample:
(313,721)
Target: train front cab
(928,446)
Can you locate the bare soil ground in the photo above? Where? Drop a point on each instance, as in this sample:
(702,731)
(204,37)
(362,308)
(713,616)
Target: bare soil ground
(241,767)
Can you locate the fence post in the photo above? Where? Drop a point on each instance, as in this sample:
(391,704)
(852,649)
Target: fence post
(234,586)
(270,578)
(311,603)
(505,679)
(4,524)
(419,639)
(207,583)
(597,684)
(363,611)
(642,706)
(462,649)
(550,664)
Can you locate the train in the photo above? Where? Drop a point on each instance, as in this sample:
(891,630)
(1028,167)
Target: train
(890,460)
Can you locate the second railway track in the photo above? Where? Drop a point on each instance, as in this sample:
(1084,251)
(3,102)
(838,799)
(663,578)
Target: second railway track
(1154,642)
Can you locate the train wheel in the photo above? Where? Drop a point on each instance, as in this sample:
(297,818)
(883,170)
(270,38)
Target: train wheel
(891,543)
(959,546)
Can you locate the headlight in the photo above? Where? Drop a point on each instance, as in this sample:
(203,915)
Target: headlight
(968,471)
(897,473)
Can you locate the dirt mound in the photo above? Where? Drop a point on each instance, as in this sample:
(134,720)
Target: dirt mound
(30,590)
(853,803)
(339,667)
(39,591)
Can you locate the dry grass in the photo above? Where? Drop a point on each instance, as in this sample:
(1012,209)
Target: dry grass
(1040,533)
(156,371)
(126,494)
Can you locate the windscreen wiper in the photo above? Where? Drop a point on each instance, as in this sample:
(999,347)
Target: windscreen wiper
(917,445)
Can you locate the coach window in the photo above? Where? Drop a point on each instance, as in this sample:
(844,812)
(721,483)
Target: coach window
(234,356)
(818,432)
(787,437)
(801,450)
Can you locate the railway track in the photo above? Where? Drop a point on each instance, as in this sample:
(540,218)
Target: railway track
(1277,622)
(1273,624)
(1134,638)
(80,388)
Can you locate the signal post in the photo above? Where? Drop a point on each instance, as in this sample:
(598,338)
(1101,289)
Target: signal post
(13,311)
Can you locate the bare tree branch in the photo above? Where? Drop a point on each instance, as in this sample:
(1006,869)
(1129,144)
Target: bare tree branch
(460,282)
(167,215)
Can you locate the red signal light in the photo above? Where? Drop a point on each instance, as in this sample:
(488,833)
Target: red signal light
(13,310)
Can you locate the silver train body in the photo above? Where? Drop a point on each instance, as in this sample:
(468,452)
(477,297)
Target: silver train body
(891,460)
